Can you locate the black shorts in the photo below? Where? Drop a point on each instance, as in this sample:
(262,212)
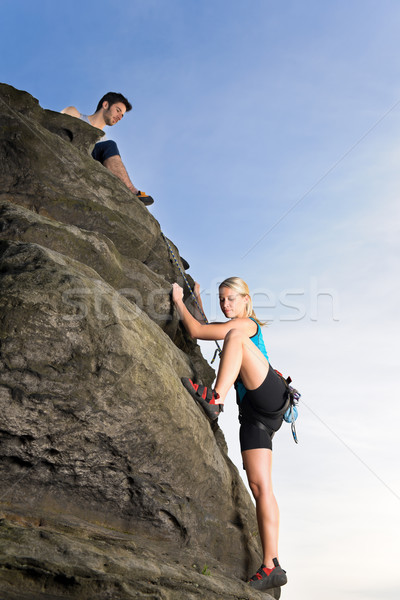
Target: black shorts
(104,150)
(269,397)
(252,437)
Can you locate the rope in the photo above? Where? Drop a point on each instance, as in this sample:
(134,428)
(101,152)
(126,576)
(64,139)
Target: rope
(218,350)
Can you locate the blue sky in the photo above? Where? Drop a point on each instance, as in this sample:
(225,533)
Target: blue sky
(267,132)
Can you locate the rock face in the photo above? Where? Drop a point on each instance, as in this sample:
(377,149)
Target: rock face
(113,483)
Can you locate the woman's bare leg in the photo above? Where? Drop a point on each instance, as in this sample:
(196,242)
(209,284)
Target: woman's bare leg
(258,465)
(240,355)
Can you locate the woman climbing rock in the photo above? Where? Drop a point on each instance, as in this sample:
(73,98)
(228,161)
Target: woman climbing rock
(261,396)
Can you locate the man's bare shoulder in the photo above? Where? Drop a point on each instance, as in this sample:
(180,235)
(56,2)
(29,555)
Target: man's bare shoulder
(72,111)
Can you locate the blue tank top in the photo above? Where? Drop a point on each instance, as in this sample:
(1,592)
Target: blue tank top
(258,340)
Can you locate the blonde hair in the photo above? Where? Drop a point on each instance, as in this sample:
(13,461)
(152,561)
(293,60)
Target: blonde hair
(240,287)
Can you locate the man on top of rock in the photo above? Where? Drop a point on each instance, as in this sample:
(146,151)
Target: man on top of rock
(110,109)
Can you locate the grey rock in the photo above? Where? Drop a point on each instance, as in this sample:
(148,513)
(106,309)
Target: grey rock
(113,484)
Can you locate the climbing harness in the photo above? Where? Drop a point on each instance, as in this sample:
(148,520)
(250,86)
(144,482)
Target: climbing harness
(218,349)
(288,411)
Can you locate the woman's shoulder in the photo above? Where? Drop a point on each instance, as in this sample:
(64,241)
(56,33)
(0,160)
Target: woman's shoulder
(245,320)
(248,324)
(256,327)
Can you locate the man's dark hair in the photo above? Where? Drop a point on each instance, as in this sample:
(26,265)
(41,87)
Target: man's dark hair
(112,98)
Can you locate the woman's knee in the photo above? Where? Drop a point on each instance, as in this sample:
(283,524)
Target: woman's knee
(260,488)
(255,489)
(234,334)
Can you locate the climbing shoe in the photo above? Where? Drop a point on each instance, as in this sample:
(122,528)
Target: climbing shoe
(206,397)
(266,578)
(143,197)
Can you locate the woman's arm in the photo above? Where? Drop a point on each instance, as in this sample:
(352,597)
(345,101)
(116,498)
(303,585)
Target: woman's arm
(210,331)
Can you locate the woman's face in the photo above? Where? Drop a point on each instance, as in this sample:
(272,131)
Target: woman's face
(232,304)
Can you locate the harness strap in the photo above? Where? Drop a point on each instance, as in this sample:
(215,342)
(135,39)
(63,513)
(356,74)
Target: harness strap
(259,425)
(276,413)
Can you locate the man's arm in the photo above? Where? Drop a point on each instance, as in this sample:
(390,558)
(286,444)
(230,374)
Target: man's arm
(72,111)
(116,166)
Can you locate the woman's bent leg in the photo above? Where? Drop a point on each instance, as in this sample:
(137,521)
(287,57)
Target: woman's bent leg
(258,465)
(240,355)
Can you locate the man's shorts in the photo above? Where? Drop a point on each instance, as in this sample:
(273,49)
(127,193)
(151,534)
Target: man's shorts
(104,150)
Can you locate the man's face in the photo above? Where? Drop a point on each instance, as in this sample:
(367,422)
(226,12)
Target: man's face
(114,113)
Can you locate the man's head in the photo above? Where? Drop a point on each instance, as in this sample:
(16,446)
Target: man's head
(112,107)
(112,98)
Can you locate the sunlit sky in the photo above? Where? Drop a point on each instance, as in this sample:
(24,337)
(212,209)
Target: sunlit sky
(268,134)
